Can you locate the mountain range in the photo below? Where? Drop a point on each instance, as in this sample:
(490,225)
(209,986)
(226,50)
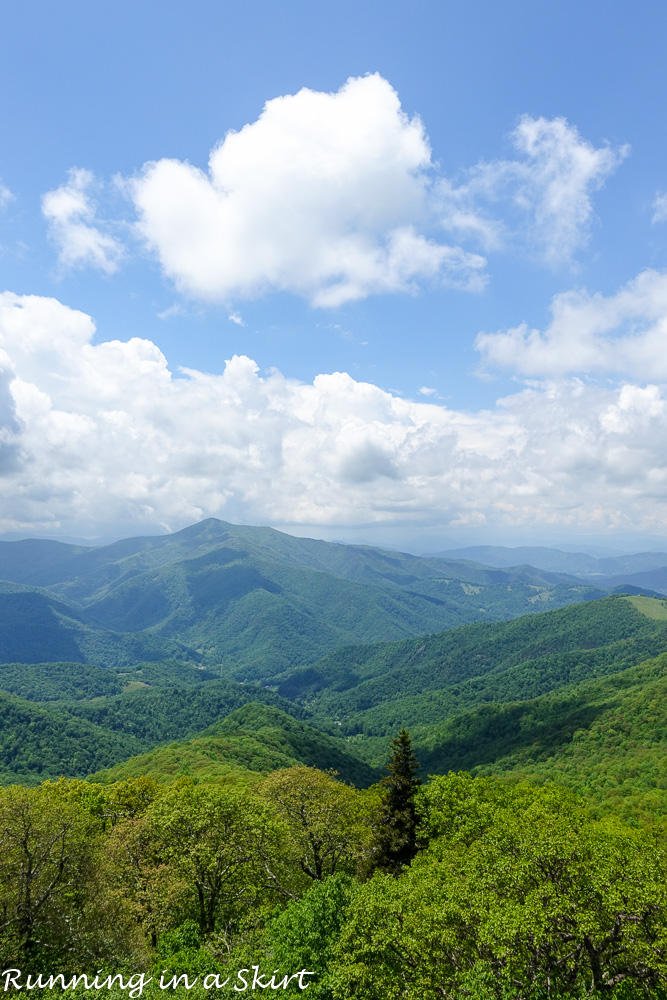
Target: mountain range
(252,601)
(223,650)
(640,569)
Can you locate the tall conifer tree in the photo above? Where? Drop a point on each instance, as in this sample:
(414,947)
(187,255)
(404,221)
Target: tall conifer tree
(397,829)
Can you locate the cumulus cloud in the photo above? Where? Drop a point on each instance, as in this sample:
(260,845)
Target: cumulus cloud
(624,333)
(106,435)
(660,208)
(544,193)
(326,196)
(71,214)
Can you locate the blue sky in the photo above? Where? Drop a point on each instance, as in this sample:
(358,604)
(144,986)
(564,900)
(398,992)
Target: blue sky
(448,204)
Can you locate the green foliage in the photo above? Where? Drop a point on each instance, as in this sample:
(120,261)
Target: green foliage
(51,909)
(329,822)
(518,893)
(532,899)
(58,681)
(254,738)
(305,934)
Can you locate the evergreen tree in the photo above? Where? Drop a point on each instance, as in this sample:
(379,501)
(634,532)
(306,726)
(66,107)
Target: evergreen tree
(397,828)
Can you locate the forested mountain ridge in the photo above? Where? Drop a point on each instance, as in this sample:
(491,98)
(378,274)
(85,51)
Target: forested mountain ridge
(372,689)
(253,601)
(604,738)
(87,572)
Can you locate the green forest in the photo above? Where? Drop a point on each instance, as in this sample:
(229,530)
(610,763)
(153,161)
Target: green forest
(457,887)
(235,761)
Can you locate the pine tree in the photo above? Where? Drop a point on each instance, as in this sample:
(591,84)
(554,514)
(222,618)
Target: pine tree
(397,828)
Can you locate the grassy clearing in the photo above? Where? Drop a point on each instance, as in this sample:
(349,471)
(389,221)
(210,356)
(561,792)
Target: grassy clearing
(649,606)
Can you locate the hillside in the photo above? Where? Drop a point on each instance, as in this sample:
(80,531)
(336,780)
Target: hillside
(38,627)
(375,689)
(38,743)
(74,738)
(255,738)
(253,601)
(159,714)
(604,738)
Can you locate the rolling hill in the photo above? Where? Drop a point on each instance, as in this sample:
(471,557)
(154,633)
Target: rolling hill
(255,738)
(374,689)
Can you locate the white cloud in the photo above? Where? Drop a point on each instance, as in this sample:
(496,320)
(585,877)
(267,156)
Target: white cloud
(236,317)
(545,193)
(428,391)
(70,213)
(105,436)
(5,195)
(624,333)
(660,208)
(174,310)
(325,196)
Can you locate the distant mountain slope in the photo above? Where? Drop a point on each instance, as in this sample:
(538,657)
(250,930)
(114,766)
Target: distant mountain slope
(253,601)
(620,569)
(418,683)
(255,737)
(38,627)
(605,738)
(650,579)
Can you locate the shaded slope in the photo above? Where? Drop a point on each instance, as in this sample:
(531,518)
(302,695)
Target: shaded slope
(38,627)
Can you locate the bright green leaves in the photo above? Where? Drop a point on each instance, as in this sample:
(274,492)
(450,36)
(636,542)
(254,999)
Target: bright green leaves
(329,822)
(521,894)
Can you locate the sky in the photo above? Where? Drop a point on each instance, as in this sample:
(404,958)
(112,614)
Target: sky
(366,271)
